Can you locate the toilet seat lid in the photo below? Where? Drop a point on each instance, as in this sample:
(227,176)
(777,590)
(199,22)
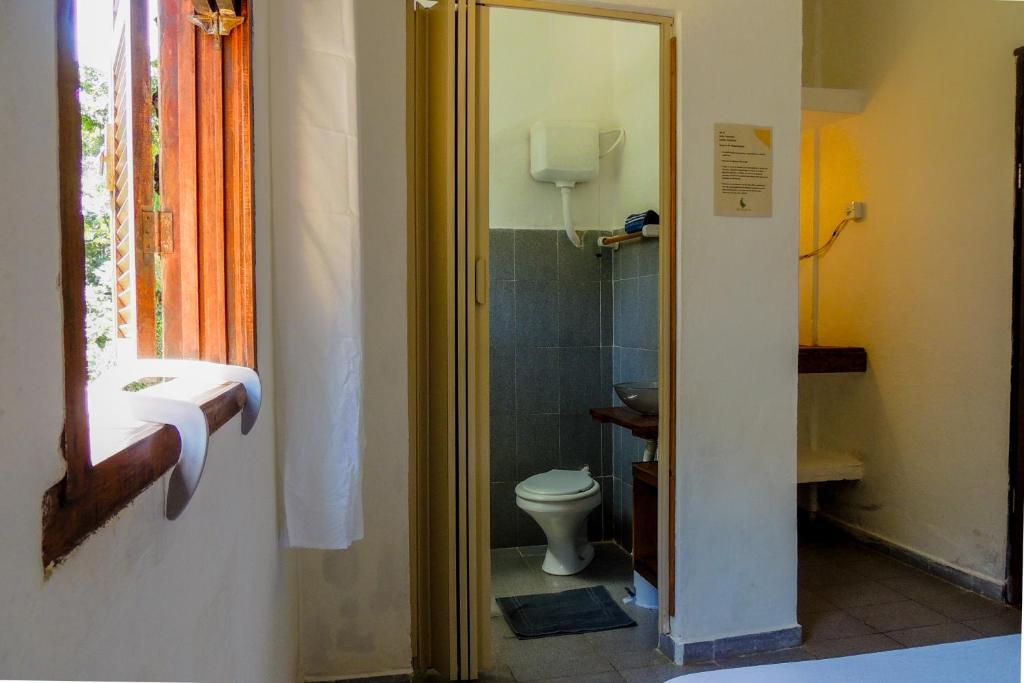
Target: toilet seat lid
(557,483)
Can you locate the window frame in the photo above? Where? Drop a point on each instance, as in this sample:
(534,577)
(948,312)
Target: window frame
(220,276)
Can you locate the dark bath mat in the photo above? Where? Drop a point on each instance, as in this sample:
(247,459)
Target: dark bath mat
(581,610)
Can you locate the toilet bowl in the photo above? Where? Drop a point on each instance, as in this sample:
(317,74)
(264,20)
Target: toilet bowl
(559,501)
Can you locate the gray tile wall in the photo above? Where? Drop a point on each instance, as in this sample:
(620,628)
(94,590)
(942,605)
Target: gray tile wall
(634,358)
(565,324)
(551,362)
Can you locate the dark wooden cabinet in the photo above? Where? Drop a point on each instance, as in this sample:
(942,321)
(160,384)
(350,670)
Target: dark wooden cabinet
(645,520)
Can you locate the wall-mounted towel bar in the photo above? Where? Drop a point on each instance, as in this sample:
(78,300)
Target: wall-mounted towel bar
(614,241)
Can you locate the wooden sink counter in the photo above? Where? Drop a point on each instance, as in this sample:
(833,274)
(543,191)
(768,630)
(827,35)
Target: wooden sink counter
(642,426)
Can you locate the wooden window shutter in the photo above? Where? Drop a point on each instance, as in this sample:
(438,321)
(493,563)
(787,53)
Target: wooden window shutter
(130,180)
(206,183)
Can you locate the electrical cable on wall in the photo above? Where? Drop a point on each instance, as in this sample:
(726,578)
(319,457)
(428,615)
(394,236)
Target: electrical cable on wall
(823,249)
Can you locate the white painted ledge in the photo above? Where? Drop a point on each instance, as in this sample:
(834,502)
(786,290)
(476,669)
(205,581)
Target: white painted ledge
(814,466)
(821,106)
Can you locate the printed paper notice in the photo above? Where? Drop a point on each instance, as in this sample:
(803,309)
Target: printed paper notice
(743,170)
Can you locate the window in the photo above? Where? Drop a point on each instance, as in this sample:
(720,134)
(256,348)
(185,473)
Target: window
(177,160)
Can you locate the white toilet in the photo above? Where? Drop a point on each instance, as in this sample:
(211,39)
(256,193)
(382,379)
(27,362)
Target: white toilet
(559,501)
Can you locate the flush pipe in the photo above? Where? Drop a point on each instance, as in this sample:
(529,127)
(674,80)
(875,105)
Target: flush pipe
(570,231)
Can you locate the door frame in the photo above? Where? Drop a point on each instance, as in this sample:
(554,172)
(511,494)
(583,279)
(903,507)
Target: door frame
(448,323)
(1015,526)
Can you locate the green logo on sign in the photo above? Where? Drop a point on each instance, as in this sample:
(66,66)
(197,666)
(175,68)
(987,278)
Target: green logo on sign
(743,203)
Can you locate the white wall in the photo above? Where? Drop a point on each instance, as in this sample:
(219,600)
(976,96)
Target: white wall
(209,597)
(736,431)
(355,604)
(552,67)
(925,282)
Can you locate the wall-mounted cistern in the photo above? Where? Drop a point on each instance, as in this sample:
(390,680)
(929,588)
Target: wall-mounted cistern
(566,154)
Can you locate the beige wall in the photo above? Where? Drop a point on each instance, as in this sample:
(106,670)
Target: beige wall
(209,597)
(552,67)
(925,282)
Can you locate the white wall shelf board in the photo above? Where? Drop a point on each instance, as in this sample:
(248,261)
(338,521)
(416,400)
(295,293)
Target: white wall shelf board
(821,106)
(814,466)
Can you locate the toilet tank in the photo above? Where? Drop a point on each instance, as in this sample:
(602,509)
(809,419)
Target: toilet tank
(563,153)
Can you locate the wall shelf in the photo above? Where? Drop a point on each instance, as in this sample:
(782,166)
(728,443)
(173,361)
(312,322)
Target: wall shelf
(815,466)
(824,359)
(822,106)
(642,426)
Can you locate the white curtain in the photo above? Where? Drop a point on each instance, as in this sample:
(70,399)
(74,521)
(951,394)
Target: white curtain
(317,278)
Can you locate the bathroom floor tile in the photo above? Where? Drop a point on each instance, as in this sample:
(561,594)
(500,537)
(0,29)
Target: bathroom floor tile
(560,656)
(857,645)
(796,654)
(962,605)
(636,660)
(830,625)
(896,616)
(1004,624)
(921,587)
(497,674)
(605,677)
(826,573)
(877,567)
(933,635)
(639,638)
(809,601)
(665,672)
(859,594)
(528,550)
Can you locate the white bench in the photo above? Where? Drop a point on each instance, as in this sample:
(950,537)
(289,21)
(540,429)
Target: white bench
(816,466)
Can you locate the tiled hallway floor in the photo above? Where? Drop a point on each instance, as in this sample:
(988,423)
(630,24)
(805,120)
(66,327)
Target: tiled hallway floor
(851,600)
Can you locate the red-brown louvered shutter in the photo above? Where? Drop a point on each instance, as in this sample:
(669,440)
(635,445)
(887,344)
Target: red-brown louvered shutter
(130,168)
(206,183)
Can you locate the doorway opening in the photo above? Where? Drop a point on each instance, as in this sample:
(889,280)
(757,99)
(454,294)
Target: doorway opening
(575,197)
(529,161)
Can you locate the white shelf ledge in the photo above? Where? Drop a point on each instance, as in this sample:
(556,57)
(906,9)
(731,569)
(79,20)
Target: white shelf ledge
(813,466)
(822,106)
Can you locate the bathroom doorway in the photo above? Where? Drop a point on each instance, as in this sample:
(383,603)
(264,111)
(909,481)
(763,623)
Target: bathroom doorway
(570,134)
(477,90)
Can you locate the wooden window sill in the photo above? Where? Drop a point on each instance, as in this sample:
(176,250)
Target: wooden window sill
(146,452)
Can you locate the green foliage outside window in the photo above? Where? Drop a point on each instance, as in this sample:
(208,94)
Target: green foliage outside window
(99,267)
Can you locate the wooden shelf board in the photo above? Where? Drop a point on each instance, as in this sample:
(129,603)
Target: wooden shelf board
(646,472)
(823,359)
(642,426)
